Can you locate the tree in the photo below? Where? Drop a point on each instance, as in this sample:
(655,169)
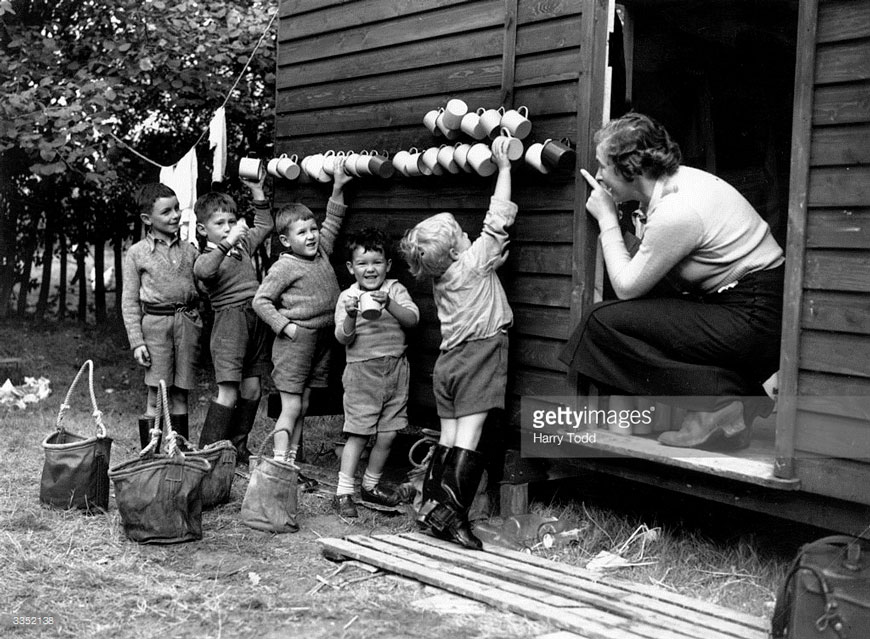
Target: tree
(81,74)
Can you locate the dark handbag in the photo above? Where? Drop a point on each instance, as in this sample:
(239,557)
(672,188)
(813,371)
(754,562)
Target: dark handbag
(75,472)
(272,496)
(160,496)
(218,483)
(826,593)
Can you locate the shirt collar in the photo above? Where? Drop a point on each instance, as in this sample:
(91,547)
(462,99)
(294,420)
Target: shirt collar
(153,240)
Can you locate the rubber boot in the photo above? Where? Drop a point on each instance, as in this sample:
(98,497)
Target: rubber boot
(463,470)
(432,495)
(146,423)
(244,415)
(180,425)
(217,424)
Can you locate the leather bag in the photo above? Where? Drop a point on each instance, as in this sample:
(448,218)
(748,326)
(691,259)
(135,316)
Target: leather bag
(159,496)
(826,593)
(75,471)
(272,498)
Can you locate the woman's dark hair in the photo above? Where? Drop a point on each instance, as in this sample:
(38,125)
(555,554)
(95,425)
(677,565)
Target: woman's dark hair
(638,145)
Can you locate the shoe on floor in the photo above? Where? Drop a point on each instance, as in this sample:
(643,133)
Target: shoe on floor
(307,484)
(380,495)
(344,506)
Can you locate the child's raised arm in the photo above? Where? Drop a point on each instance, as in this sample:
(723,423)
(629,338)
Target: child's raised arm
(503,181)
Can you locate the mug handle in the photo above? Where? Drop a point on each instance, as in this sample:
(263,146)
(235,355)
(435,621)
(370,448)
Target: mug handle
(328,153)
(283,155)
(523,108)
(506,132)
(413,150)
(294,157)
(500,110)
(480,110)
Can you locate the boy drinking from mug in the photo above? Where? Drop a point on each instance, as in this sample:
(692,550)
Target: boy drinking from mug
(297,300)
(471,371)
(239,338)
(376,375)
(160,306)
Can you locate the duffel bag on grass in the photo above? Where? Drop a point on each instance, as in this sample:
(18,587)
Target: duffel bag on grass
(75,471)
(826,593)
(271,498)
(160,496)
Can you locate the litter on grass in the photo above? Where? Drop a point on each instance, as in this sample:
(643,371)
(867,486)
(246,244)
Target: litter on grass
(31,391)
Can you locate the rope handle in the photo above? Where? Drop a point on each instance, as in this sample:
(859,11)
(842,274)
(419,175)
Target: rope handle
(268,438)
(65,406)
(161,421)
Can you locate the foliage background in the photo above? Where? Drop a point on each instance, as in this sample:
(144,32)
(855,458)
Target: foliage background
(76,73)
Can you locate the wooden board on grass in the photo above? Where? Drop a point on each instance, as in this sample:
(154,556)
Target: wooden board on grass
(570,598)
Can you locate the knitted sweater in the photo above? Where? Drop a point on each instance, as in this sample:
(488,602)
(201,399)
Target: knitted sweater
(700,233)
(301,291)
(381,337)
(228,278)
(159,273)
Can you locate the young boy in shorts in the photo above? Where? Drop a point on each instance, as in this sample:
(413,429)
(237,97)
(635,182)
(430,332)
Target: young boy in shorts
(160,306)
(297,301)
(376,376)
(239,338)
(471,371)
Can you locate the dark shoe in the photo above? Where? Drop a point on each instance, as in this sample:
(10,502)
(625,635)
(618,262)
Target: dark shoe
(216,426)
(344,506)
(244,415)
(380,495)
(307,484)
(707,430)
(460,533)
(146,423)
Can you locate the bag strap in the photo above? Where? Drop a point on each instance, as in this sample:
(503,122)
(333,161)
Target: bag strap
(830,617)
(268,438)
(65,406)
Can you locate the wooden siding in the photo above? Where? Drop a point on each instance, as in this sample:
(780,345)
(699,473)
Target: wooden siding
(826,348)
(361,75)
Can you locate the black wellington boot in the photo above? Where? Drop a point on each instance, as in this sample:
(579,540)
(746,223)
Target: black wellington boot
(244,415)
(180,425)
(463,470)
(146,423)
(432,494)
(217,424)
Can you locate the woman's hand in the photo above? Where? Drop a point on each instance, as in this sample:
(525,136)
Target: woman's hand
(600,204)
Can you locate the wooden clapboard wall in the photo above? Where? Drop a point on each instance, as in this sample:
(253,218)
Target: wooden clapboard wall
(361,75)
(824,415)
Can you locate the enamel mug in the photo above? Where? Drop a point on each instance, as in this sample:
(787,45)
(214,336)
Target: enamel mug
(460,156)
(446,131)
(288,167)
(430,160)
(558,154)
(480,159)
(414,166)
(453,113)
(446,159)
(429,121)
(517,122)
(252,169)
(471,124)
(514,145)
(533,157)
(369,308)
(490,121)
(380,165)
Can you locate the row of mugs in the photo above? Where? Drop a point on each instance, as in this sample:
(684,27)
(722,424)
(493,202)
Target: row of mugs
(453,120)
(436,160)
(318,166)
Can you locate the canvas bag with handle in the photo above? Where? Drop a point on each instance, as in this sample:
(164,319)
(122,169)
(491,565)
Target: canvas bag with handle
(271,498)
(75,471)
(218,482)
(160,495)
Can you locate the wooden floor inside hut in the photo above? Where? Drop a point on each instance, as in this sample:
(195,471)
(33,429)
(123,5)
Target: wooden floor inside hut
(581,604)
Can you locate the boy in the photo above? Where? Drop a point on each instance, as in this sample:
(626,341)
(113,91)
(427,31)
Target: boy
(297,300)
(159,306)
(376,375)
(239,339)
(471,371)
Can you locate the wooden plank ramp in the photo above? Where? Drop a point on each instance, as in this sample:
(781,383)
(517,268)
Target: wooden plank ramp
(571,599)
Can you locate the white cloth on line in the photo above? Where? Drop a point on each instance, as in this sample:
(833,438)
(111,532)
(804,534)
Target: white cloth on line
(217,140)
(181,178)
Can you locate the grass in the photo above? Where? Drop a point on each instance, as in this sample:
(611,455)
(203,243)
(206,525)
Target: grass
(84,573)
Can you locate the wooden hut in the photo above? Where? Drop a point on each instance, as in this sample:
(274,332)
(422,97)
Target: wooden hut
(771,94)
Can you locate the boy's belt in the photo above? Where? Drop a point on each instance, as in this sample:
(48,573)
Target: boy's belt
(167,309)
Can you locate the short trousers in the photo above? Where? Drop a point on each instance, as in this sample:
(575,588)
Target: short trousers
(302,362)
(376,395)
(173,345)
(471,378)
(239,344)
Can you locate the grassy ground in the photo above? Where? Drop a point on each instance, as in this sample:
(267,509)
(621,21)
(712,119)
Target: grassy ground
(82,572)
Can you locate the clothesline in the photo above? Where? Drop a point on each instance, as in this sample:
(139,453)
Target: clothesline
(223,104)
